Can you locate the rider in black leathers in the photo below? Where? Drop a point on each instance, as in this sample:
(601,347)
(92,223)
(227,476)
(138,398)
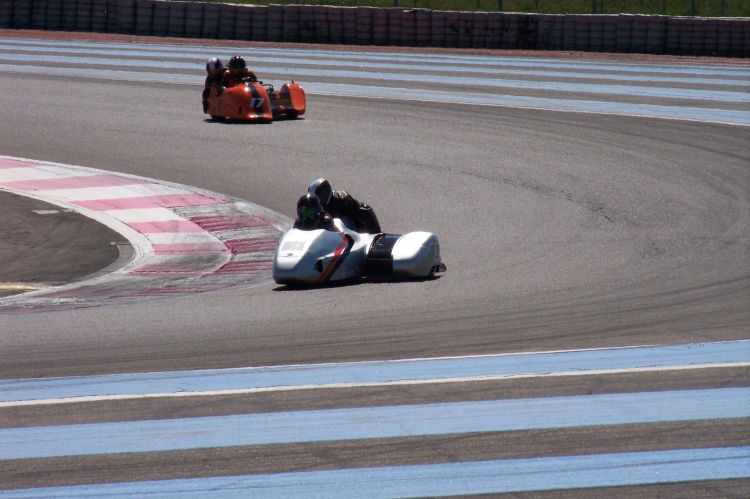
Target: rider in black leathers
(341,204)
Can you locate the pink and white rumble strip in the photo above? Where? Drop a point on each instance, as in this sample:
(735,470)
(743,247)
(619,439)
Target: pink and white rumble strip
(184,239)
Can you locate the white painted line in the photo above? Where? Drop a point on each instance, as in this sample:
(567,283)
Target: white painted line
(643,359)
(20,286)
(458,66)
(611,106)
(50,212)
(371,67)
(182,237)
(608,106)
(333,386)
(138,215)
(117,192)
(440,59)
(627,87)
(38,172)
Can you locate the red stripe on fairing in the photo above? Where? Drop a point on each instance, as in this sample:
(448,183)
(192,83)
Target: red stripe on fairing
(183,248)
(167,201)
(332,264)
(165,226)
(49,184)
(12,163)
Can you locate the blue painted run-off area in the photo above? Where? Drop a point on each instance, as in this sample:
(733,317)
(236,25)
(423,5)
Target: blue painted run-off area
(478,477)
(374,422)
(322,375)
(706,93)
(301,72)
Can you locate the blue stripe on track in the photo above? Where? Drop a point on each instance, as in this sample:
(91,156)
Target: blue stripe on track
(644,90)
(306,60)
(374,422)
(440,59)
(394,93)
(475,477)
(373,372)
(541,103)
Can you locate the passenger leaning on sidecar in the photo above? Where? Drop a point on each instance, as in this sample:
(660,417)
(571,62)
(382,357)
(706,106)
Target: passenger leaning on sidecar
(341,204)
(311,216)
(215,76)
(237,71)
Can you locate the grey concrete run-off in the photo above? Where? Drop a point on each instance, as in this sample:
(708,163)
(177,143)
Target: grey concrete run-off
(387,26)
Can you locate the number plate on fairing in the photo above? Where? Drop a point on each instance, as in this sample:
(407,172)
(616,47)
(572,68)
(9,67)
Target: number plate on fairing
(289,248)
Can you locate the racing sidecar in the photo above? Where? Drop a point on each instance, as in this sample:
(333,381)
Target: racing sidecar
(255,101)
(314,257)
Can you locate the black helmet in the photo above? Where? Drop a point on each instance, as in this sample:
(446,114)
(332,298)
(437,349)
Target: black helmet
(214,65)
(321,188)
(237,62)
(308,208)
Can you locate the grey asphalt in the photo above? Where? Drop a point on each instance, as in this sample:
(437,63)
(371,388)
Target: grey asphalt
(559,230)
(43,244)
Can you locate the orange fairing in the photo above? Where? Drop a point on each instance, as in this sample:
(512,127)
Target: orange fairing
(289,102)
(240,102)
(256,102)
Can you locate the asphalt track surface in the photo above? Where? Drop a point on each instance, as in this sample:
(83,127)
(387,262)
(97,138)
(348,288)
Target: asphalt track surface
(560,231)
(45,245)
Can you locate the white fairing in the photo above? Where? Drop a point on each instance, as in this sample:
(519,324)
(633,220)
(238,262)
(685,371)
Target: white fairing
(304,256)
(416,254)
(319,256)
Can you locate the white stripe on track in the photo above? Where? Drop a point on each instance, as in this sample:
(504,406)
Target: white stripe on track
(250,391)
(372,65)
(117,192)
(256,57)
(137,215)
(205,51)
(626,87)
(32,173)
(699,114)
(40,172)
(214,382)
(182,237)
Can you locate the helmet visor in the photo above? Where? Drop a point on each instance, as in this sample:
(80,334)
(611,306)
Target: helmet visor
(308,213)
(324,193)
